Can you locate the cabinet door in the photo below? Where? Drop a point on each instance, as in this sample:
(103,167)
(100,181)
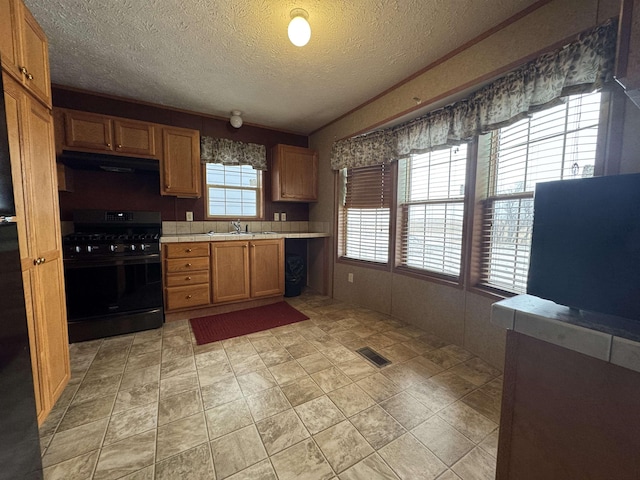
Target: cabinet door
(267,268)
(136,138)
(181,162)
(88,131)
(294,174)
(230,271)
(35,57)
(10,37)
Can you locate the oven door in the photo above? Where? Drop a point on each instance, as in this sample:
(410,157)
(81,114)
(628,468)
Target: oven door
(106,287)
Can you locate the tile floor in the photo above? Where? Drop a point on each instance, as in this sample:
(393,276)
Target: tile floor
(294,402)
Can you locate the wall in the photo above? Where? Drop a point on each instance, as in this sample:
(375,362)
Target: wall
(141,191)
(457,314)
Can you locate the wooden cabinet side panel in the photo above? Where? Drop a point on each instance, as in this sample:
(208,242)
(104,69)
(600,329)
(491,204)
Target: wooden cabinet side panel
(230,271)
(267,268)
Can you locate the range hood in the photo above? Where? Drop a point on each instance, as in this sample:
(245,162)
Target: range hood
(108,163)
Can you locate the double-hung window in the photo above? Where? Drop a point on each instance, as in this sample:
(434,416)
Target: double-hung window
(555,144)
(431,196)
(233,191)
(365,213)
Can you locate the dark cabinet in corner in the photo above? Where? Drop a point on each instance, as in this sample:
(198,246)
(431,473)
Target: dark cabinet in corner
(294,174)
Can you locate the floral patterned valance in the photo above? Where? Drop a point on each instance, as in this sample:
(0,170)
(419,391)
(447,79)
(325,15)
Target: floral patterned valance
(230,152)
(582,66)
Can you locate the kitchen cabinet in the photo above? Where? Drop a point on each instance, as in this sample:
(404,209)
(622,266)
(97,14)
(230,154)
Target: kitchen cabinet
(243,270)
(92,132)
(186,275)
(180,172)
(31,144)
(294,174)
(24,49)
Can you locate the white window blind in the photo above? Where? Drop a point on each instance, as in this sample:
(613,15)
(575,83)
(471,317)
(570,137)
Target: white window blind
(366,213)
(233,191)
(431,198)
(555,144)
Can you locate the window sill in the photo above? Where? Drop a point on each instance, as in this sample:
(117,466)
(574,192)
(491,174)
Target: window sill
(363,264)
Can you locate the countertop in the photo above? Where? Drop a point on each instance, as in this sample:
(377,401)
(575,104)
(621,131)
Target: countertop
(608,338)
(223,237)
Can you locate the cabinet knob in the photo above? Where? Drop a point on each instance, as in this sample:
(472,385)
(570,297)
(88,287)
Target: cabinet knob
(109,145)
(187,278)
(188,297)
(188,265)
(29,76)
(119,146)
(42,260)
(36,261)
(167,186)
(188,250)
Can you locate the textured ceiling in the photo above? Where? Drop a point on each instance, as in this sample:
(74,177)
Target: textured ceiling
(215,56)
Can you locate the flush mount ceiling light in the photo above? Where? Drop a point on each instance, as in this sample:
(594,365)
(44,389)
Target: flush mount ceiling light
(236,119)
(299,29)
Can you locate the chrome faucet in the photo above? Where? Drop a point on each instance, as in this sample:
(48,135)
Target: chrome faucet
(236,225)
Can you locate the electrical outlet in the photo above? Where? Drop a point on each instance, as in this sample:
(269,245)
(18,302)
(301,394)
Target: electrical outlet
(283,217)
(189,216)
(276,217)
(350,277)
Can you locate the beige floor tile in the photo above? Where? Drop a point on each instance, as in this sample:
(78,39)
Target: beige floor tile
(377,426)
(314,363)
(178,384)
(77,468)
(260,471)
(181,435)
(303,460)
(406,410)
(484,404)
(276,356)
(409,459)
(248,364)
(490,443)
(476,465)
(131,422)
(379,387)
(330,379)
(136,397)
(287,372)
(194,464)
(267,403)
(301,391)
(446,442)
(372,467)
(398,352)
(351,399)
(227,418)
(343,446)
(177,366)
(80,413)
(319,414)
(254,382)
(138,378)
(402,375)
(92,389)
(281,431)
(179,406)
(126,456)
(237,451)
(468,421)
(302,349)
(357,369)
(220,392)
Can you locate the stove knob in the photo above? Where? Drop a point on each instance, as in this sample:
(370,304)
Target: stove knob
(89,249)
(143,247)
(77,249)
(132,248)
(113,248)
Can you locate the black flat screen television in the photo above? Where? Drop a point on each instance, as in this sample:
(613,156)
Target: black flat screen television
(585,251)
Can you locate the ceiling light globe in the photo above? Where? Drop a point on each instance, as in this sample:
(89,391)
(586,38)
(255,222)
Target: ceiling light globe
(299,31)
(236,119)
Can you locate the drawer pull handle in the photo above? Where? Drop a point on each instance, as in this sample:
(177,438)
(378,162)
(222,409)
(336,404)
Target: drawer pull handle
(188,297)
(188,250)
(188,278)
(188,265)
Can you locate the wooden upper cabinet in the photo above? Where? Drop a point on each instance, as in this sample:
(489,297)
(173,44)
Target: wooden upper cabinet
(180,169)
(294,174)
(88,131)
(24,49)
(136,138)
(93,132)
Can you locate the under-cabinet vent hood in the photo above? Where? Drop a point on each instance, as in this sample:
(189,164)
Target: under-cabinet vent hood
(108,163)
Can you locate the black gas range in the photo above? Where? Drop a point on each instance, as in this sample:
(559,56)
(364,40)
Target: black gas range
(113,273)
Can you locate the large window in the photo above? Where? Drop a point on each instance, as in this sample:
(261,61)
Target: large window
(233,191)
(365,216)
(554,144)
(431,189)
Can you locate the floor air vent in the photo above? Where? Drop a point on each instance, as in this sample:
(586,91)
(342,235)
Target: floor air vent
(373,356)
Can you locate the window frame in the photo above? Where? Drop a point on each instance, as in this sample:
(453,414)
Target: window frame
(260,197)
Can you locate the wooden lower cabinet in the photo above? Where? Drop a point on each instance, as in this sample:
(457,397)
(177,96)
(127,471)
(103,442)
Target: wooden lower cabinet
(267,268)
(186,275)
(230,271)
(31,145)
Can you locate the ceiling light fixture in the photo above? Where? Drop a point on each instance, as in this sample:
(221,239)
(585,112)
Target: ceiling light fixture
(299,29)
(236,119)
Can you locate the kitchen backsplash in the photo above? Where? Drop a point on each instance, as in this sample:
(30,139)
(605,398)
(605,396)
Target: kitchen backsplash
(172,228)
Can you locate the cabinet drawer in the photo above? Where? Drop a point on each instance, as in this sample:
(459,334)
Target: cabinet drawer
(186,297)
(190,278)
(187,250)
(186,264)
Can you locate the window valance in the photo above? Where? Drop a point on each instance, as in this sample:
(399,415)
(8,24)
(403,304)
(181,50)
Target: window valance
(230,152)
(581,66)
